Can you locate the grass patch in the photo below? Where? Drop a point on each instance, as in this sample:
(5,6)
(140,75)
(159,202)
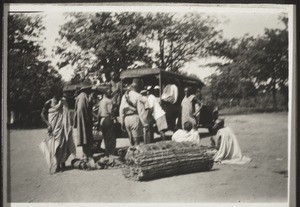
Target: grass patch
(246,110)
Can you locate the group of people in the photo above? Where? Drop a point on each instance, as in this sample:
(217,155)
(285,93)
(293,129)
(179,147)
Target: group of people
(140,113)
(59,144)
(140,110)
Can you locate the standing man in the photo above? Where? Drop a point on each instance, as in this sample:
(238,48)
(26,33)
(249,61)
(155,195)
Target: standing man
(158,113)
(132,113)
(188,107)
(147,115)
(115,87)
(106,123)
(198,105)
(83,121)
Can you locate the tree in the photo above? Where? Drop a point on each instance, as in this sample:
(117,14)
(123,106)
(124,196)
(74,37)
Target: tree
(253,64)
(30,77)
(272,60)
(233,80)
(114,39)
(180,39)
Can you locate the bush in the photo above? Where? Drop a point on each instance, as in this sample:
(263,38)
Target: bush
(260,103)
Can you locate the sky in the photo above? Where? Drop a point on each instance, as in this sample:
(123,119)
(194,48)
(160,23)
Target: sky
(235,22)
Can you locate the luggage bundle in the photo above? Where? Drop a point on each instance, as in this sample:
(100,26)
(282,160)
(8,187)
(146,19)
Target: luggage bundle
(102,163)
(162,159)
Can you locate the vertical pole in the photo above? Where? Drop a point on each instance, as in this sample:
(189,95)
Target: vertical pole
(160,84)
(121,87)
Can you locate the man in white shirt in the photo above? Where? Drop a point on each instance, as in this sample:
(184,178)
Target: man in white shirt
(170,93)
(188,134)
(157,112)
(133,113)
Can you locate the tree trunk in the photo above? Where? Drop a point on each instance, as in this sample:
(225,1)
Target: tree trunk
(161,54)
(274,94)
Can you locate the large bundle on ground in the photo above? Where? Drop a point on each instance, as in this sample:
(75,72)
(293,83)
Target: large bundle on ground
(166,158)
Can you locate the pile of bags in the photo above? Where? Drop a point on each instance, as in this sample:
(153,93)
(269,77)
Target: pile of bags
(162,159)
(102,163)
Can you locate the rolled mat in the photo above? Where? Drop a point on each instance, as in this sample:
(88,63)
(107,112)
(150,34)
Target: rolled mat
(166,158)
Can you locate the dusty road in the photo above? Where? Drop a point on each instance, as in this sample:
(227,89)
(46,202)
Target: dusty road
(263,137)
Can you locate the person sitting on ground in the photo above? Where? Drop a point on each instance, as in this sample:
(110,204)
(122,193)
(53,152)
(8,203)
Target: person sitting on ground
(187,134)
(229,151)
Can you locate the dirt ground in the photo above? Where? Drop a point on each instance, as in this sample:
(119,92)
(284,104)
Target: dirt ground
(262,137)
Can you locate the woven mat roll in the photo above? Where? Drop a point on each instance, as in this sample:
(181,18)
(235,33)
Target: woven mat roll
(168,158)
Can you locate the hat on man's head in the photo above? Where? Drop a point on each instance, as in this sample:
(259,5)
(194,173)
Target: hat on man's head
(144,92)
(136,83)
(85,85)
(156,87)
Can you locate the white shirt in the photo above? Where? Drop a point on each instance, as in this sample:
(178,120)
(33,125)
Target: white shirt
(157,110)
(183,136)
(170,93)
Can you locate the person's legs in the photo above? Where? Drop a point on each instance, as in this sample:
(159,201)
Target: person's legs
(109,136)
(137,130)
(136,140)
(85,152)
(147,135)
(162,126)
(162,135)
(134,128)
(128,129)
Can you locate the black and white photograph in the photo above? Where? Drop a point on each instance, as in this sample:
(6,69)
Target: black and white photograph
(188,104)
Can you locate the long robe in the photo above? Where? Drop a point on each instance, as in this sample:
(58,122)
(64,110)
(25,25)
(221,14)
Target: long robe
(229,149)
(187,110)
(59,144)
(83,120)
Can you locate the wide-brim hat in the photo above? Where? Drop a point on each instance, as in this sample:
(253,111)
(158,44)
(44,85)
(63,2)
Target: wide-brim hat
(143,92)
(85,85)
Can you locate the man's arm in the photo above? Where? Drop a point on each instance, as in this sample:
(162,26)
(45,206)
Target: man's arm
(142,111)
(44,115)
(75,114)
(121,112)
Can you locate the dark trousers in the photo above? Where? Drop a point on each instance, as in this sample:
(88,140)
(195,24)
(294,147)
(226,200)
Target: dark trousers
(87,151)
(109,135)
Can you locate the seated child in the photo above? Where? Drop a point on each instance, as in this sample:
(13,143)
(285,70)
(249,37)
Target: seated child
(187,134)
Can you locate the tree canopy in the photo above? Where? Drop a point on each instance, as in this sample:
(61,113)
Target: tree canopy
(114,41)
(30,76)
(253,64)
(181,40)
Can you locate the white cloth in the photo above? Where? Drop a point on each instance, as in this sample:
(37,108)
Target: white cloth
(229,150)
(183,136)
(187,110)
(134,98)
(157,109)
(170,93)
